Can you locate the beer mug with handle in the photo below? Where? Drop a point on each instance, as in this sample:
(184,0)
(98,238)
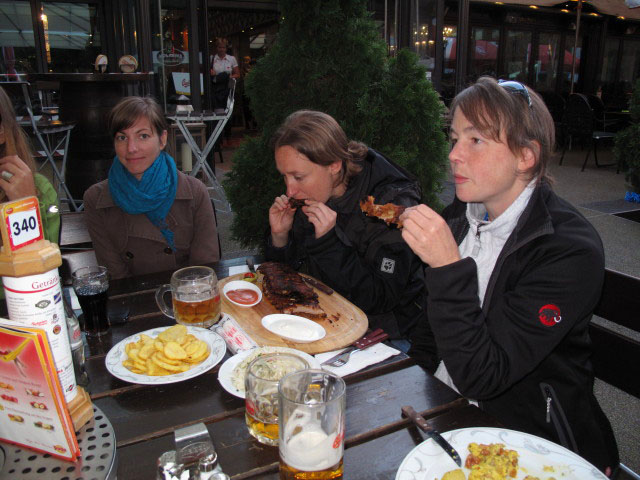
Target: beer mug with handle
(312,425)
(195,297)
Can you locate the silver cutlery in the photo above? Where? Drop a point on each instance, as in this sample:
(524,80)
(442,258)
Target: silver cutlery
(419,420)
(368,340)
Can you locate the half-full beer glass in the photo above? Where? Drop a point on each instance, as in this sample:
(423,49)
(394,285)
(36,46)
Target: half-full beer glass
(196,299)
(312,425)
(261,393)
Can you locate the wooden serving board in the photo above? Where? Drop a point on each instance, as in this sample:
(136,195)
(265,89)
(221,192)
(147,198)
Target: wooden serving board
(345,323)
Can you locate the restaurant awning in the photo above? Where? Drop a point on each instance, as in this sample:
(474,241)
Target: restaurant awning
(623,8)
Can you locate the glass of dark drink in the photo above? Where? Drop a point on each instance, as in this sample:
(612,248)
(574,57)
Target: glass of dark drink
(91,285)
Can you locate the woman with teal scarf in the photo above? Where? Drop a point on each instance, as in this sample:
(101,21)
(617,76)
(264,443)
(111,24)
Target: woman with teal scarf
(147,216)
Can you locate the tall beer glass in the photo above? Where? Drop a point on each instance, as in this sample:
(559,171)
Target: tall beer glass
(312,425)
(196,299)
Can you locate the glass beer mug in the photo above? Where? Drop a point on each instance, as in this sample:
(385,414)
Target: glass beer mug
(312,425)
(195,295)
(261,393)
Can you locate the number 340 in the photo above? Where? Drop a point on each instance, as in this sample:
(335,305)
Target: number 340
(27,224)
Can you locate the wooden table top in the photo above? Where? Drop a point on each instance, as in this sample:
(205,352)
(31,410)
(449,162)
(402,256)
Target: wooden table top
(144,417)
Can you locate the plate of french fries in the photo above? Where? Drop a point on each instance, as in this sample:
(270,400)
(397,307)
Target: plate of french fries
(165,355)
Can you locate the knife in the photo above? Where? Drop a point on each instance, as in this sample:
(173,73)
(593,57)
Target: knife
(416,418)
(315,283)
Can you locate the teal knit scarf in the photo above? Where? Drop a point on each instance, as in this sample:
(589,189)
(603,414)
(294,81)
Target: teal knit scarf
(152,195)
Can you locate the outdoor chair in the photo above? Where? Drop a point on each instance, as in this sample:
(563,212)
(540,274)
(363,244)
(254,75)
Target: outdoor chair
(579,124)
(52,135)
(602,122)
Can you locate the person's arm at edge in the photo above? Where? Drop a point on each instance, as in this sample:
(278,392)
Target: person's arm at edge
(49,208)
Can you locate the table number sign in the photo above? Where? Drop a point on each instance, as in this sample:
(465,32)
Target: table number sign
(23,223)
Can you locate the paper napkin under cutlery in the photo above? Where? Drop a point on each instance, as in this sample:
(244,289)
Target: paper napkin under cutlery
(358,360)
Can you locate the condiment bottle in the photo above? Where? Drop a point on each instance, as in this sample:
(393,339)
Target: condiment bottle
(76,343)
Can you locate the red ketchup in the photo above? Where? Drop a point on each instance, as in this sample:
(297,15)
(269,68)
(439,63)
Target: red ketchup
(244,296)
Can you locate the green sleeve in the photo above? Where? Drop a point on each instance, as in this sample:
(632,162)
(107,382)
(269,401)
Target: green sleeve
(49,208)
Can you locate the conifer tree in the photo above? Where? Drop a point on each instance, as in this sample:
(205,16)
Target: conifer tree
(329,56)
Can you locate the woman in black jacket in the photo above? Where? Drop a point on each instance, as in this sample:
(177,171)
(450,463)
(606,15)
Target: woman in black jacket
(329,237)
(514,275)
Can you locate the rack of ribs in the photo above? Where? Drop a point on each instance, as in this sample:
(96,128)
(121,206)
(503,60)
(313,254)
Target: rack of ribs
(288,292)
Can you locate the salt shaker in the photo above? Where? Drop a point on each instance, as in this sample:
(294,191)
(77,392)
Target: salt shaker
(168,467)
(209,468)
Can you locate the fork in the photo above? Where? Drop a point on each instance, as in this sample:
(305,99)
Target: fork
(372,338)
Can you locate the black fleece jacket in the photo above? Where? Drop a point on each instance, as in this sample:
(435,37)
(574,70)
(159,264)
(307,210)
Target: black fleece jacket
(524,355)
(362,258)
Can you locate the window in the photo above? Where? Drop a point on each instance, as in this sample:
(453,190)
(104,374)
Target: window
(423,33)
(484,52)
(71,35)
(517,54)
(546,66)
(17,51)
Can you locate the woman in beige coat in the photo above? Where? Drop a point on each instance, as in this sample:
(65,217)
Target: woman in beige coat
(147,216)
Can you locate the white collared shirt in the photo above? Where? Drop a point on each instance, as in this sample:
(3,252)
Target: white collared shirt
(225,64)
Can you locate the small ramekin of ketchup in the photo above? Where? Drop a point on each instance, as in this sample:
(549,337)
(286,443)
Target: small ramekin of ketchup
(241,293)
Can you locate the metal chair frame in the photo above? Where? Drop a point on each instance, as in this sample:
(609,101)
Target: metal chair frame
(579,121)
(221,117)
(50,145)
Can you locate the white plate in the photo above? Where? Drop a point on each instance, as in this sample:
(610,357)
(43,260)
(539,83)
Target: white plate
(226,369)
(238,284)
(429,461)
(293,327)
(117,355)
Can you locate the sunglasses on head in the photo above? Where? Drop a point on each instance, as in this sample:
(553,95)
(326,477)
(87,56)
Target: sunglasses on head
(517,88)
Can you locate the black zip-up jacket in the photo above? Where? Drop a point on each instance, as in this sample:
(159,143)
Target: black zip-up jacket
(363,259)
(524,355)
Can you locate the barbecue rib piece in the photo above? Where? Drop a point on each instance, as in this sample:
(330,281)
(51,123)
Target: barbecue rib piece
(388,212)
(297,202)
(288,292)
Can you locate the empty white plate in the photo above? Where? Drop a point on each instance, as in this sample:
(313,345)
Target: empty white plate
(293,327)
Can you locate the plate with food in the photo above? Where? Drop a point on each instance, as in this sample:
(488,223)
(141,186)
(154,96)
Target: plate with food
(293,327)
(165,355)
(232,371)
(498,452)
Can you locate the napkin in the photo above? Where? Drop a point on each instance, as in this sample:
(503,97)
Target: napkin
(358,360)
(240,269)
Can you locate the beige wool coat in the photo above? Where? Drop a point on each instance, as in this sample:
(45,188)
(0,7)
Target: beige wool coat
(131,245)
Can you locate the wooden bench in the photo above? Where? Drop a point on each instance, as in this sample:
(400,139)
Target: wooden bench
(616,357)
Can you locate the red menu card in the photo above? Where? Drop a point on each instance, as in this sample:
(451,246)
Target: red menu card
(33,411)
